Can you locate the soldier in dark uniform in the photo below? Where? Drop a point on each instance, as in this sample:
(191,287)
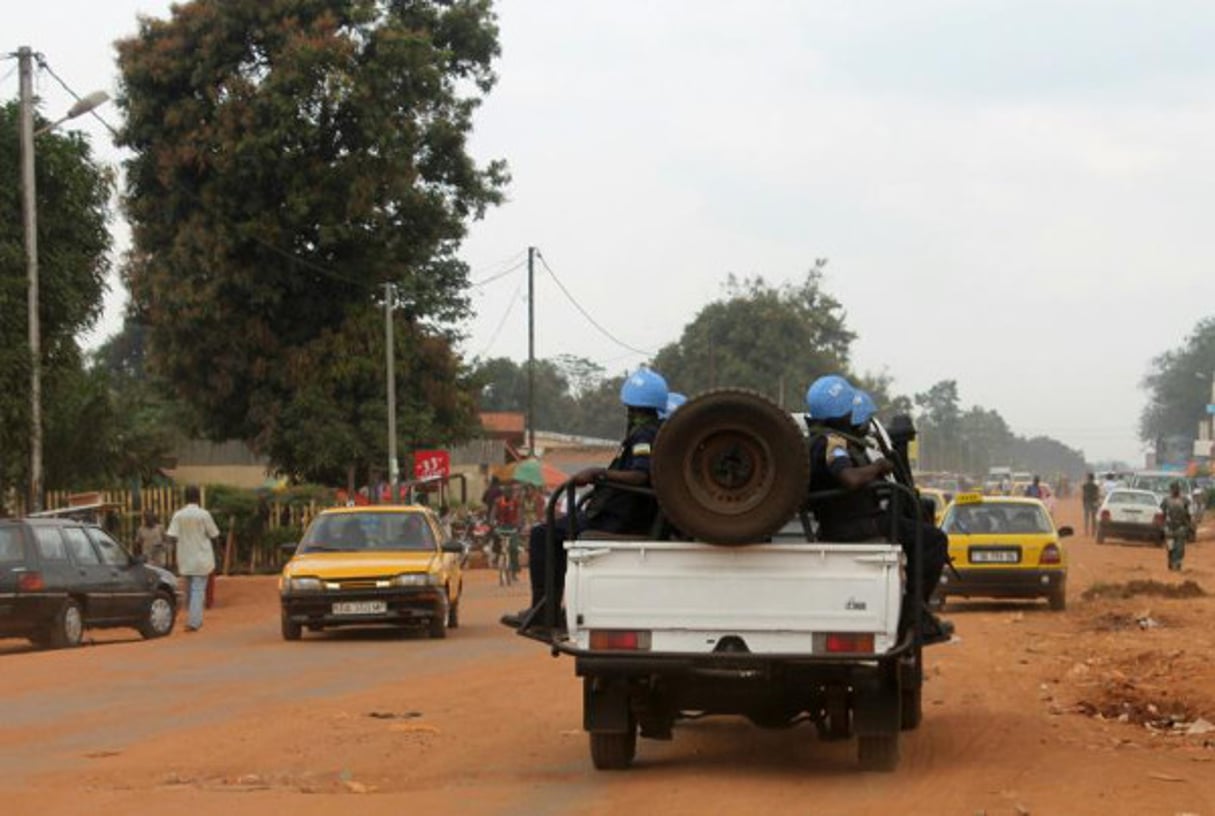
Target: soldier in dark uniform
(841,459)
(609,509)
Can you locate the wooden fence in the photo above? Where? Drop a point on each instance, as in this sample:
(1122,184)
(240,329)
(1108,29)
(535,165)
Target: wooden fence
(259,554)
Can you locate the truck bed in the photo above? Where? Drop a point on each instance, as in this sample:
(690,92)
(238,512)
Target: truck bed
(781,598)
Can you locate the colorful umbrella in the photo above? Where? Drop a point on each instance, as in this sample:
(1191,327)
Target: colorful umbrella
(533,472)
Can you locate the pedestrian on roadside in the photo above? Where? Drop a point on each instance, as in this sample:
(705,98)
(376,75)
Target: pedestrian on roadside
(191,531)
(1109,485)
(150,538)
(1177,523)
(506,520)
(1034,491)
(1090,497)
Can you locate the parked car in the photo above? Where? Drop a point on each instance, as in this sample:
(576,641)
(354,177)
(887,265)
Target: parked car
(378,565)
(1004,547)
(59,577)
(1131,514)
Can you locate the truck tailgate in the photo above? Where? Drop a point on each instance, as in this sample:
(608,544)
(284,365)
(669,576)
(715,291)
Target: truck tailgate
(774,598)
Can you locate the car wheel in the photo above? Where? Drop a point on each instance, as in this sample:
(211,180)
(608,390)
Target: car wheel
(160,616)
(730,467)
(1057,600)
(291,629)
(67,629)
(438,623)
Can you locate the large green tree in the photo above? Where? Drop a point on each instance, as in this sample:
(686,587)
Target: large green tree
(73,193)
(336,422)
(290,156)
(1178,386)
(773,339)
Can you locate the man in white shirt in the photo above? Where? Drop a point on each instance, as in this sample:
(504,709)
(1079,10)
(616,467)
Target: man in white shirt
(190,533)
(1109,485)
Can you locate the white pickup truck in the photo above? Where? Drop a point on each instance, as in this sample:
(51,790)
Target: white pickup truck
(784,630)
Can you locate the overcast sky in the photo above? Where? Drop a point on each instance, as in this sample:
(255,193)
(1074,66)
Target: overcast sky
(1015,195)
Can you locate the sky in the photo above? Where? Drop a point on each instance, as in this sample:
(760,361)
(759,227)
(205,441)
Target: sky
(1014,195)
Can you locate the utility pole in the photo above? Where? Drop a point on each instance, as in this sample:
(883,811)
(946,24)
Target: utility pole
(29,213)
(393,477)
(531,351)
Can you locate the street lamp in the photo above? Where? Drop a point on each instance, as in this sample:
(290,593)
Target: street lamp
(29,212)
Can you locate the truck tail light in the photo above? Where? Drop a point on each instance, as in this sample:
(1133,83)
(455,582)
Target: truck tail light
(30,582)
(619,640)
(848,642)
(1050,555)
(1105,515)
(1158,520)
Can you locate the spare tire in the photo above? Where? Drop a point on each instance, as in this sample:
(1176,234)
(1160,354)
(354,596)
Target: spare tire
(730,467)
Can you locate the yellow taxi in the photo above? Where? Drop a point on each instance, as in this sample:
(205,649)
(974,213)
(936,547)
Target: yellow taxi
(940,500)
(1004,547)
(380,565)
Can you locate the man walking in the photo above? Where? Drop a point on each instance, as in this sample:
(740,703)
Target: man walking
(1090,498)
(1177,523)
(190,533)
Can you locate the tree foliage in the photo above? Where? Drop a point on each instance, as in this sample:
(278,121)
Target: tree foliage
(338,416)
(1178,386)
(975,439)
(773,339)
(289,157)
(73,193)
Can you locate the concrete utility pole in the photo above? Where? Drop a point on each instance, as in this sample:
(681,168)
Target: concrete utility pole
(531,351)
(29,216)
(390,354)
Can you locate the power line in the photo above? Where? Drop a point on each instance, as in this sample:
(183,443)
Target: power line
(10,72)
(587,314)
(514,298)
(491,268)
(502,274)
(44,65)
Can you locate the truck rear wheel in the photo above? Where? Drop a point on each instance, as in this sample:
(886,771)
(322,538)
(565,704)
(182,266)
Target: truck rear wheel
(613,750)
(730,467)
(878,752)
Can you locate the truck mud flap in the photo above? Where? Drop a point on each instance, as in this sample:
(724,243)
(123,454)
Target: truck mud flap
(605,706)
(876,702)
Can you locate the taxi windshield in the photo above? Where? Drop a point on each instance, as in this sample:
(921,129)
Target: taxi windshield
(997,519)
(355,532)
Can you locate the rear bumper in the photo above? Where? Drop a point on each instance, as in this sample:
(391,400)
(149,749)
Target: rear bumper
(23,614)
(1130,529)
(740,665)
(404,605)
(1002,583)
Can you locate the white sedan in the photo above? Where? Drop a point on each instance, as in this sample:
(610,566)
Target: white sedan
(1128,513)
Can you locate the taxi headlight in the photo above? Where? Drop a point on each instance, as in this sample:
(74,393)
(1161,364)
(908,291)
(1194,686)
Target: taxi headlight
(304,585)
(413,579)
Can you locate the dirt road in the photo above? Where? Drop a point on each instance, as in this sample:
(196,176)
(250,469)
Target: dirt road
(1096,710)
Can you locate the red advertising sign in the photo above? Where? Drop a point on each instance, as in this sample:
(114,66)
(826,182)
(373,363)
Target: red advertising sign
(431,464)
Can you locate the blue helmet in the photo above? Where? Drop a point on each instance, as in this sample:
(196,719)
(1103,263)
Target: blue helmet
(830,397)
(863,408)
(674,400)
(644,388)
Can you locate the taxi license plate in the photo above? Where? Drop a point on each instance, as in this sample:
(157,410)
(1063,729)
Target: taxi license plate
(994,556)
(360,607)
